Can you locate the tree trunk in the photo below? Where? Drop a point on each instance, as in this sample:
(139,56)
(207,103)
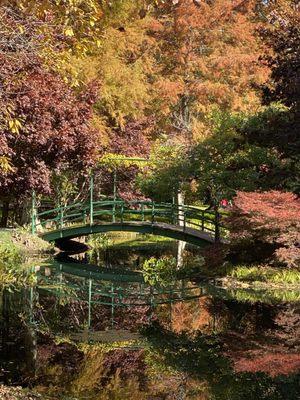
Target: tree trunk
(5,211)
(25,213)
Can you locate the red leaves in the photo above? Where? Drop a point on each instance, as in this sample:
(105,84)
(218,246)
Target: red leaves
(55,133)
(280,206)
(270,217)
(273,364)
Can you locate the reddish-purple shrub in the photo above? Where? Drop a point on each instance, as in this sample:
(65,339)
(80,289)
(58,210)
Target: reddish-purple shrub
(269,220)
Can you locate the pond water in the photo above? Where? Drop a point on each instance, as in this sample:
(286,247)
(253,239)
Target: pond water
(90,327)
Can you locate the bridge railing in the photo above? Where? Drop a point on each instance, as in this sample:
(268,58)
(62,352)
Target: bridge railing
(120,211)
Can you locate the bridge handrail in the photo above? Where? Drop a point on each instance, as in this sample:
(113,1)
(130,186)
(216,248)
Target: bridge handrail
(183,215)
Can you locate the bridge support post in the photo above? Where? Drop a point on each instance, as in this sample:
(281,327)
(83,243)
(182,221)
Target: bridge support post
(91,199)
(90,304)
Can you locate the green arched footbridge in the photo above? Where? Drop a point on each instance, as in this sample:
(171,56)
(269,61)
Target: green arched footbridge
(181,222)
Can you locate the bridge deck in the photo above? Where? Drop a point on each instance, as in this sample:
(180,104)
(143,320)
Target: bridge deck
(186,234)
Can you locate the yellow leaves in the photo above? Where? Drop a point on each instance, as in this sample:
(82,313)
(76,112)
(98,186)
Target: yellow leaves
(113,161)
(5,165)
(69,31)
(99,123)
(14,125)
(124,91)
(200,129)
(194,186)
(93,21)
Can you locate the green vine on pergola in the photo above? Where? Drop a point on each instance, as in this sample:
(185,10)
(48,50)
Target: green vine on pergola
(112,161)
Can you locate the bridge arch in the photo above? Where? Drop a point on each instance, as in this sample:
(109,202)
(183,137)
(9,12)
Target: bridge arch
(186,223)
(188,235)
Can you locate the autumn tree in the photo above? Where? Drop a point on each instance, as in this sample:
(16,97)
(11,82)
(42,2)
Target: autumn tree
(53,133)
(123,63)
(208,76)
(276,125)
(209,56)
(283,35)
(75,20)
(19,46)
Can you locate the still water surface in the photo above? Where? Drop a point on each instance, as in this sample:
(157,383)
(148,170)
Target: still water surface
(87,331)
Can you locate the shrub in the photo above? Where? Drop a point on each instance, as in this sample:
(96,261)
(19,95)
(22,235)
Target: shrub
(160,271)
(267,226)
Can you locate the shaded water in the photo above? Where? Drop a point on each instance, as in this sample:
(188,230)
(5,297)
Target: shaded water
(86,331)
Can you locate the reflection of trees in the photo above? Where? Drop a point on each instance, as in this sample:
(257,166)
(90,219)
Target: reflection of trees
(212,313)
(192,315)
(200,356)
(60,316)
(243,317)
(17,333)
(72,315)
(132,257)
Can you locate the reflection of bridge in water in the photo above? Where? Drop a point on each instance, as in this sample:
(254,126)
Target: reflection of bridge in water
(110,287)
(180,222)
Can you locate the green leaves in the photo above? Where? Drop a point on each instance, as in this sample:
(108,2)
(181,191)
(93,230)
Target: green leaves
(161,272)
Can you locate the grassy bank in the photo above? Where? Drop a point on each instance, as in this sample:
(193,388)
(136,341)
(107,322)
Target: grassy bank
(16,247)
(128,240)
(22,242)
(265,274)
(262,277)
(139,240)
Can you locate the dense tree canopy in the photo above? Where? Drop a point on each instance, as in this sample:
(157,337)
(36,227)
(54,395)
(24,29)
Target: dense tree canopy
(181,81)
(52,132)
(208,55)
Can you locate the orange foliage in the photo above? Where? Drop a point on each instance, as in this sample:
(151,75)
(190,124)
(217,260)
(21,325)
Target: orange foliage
(214,50)
(191,316)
